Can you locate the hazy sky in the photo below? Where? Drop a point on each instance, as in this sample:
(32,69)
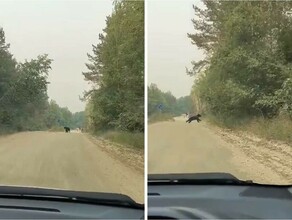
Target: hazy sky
(65,29)
(169,49)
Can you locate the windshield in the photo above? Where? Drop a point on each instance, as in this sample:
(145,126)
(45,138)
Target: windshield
(72,95)
(220,88)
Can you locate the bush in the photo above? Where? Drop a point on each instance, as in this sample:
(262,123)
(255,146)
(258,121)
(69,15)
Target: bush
(135,140)
(56,128)
(278,128)
(228,122)
(160,117)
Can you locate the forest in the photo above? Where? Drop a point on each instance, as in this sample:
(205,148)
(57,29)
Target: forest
(164,105)
(246,74)
(116,72)
(24,101)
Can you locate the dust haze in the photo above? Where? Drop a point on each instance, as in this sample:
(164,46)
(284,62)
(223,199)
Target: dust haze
(169,49)
(65,30)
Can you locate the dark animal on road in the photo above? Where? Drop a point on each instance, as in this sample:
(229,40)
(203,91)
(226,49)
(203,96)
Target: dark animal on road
(194,117)
(67,129)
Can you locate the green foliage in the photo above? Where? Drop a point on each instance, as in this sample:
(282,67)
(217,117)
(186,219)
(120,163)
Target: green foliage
(171,106)
(157,117)
(278,128)
(247,69)
(130,139)
(58,117)
(7,64)
(23,91)
(156,97)
(116,69)
(78,120)
(24,102)
(184,105)
(28,94)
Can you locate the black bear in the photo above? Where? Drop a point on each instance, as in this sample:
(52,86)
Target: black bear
(194,117)
(67,129)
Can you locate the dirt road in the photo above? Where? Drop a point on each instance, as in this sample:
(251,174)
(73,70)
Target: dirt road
(66,161)
(179,147)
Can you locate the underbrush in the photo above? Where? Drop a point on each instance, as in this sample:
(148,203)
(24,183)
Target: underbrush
(157,117)
(56,128)
(128,139)
(230,122)
(6,131)
(278,128)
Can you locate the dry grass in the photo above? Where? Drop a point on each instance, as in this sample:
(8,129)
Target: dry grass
(134,140)
(56,128)
(279,128)
(160,117)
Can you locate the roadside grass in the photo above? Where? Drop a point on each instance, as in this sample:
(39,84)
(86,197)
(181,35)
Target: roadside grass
(230,122)
(6,131)
(279,128)
(127,139)
(56,128)
(157,117)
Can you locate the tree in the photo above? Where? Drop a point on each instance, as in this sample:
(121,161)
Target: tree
(170,104)
(28,93)
(7,75)
(116,70)
(23,90)
(247,57)
(24,101)
(78,119)
(7,64)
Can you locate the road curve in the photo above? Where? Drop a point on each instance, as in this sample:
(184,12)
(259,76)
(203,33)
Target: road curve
(67,161)
(179,147)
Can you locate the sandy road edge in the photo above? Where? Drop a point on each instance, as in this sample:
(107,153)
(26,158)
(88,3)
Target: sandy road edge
(269,161)
(262,160)
(132,158)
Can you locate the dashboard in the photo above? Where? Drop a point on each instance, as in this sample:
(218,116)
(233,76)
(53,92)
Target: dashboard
(46,209)
(219,202)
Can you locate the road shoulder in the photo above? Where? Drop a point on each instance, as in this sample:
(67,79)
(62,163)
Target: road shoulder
(266,161)
(132,158)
